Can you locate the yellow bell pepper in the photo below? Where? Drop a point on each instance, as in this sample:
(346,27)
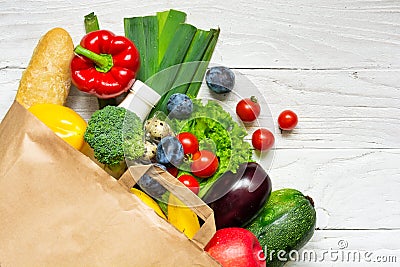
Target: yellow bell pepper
(63,121)
(148,201)
(182,217)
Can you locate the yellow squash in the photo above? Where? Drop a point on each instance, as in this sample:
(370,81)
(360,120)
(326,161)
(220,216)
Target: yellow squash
(148,201)
(182,217)
(63,121)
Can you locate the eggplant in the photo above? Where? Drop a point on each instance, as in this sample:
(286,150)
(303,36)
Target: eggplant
(237,198)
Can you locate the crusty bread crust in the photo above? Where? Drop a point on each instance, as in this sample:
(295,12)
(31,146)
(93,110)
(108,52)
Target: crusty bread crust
(47,78)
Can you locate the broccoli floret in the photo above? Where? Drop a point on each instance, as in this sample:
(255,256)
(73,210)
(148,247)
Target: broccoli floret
(115,133)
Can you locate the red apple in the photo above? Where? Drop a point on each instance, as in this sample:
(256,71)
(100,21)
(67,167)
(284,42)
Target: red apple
(236,247)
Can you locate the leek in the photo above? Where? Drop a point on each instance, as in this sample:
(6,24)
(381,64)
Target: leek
(195,85)
(194,54)
(168,22)
(134,30)
(188,68)
(150,24)
(174,54)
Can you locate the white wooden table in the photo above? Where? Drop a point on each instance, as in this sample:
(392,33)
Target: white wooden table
(335,63)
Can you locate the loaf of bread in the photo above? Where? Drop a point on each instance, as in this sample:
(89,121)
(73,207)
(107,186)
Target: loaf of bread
(47,79)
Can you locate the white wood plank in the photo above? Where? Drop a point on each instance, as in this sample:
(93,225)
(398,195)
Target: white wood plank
(304,34)
(350,248)
(336,109)
(352,189)
(9,81)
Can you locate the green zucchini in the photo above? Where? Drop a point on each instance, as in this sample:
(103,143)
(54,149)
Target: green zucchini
(286,222)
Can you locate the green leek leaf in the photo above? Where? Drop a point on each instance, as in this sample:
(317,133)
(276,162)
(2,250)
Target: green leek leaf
(194,55)
(174,55)
(188,68)
(178,46)
(150,27)
(168,22)
(134,30)
(194,87)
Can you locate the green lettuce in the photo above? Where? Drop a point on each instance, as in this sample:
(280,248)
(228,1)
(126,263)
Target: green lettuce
(217,131)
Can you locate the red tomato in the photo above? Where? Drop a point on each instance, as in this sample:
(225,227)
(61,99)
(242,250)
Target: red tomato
(287,120)
(189,142)
(173,170)
(262,139)
(204,164)
(190,182)
(248,109)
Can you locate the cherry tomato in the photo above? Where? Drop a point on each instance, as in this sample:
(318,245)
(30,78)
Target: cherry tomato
(189,142)
(287,120)
(204,164)
(173,170)
(262,139)
(190,182)
(248,109)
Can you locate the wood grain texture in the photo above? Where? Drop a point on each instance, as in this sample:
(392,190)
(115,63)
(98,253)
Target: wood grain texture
(336,63)
(303,34)
(351,188)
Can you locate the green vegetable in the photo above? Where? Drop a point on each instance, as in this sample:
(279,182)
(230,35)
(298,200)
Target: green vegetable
(215,129)
(198,77)
(150,23)
(286,223)
(137,29)
(192,64)
(115,133)
(174,55)
(171,43)
(168,22)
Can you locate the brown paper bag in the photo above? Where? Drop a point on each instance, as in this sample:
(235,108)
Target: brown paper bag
(58,208)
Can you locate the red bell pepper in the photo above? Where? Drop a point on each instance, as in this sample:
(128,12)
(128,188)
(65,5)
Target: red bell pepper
(105,64)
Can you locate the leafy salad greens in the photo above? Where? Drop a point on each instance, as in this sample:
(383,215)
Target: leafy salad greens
(217,131)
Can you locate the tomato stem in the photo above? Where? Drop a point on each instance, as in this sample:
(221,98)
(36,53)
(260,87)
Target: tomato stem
(254,99)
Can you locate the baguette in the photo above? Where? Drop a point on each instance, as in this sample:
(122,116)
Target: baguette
(47,79)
